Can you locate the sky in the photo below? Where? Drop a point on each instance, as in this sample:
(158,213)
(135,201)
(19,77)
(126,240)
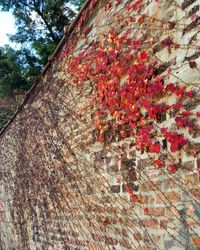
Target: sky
(7,26)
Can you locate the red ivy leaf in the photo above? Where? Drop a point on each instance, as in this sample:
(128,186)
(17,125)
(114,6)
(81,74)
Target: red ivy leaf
(106,222)
(128,6)
(155,148)
(192,64)
(178,105)
(140,19)
(108,5)
(185,113)
(171,25)
(122,134)
(101,138)
(133,196)
(190,94)
(142,55)
(172,168)
(159,163)
(167,41)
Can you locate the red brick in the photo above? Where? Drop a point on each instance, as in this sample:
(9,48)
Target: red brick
(117,231)
(168,197)
(94,246)
(146,237)
(149,223)
(74,234)
(97,237)
(72,241)
(147,199)
(193,179)
(163,224)
(146,248)
(125,243)
(170,184)
(196,241)
(172,212)
(110,241)
(124,232)
(188,165)
(195,193)
(156,239)
(138,236)
(151,186)
(158,211)
(173,197)
(82,243)
(193,223)
(150,237)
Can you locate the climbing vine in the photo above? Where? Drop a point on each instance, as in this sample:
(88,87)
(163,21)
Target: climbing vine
(130,92)
(103,153)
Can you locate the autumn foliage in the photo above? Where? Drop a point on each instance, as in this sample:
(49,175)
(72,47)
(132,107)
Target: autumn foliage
(129,94)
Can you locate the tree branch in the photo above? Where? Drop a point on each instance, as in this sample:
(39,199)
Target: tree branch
(49,28)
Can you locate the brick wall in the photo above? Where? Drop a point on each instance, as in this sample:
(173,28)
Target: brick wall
(62,189)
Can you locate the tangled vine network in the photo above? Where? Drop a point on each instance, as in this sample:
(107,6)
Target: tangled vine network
(104,153)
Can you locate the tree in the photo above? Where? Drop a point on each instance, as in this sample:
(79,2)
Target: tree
(40,23)
(12,71)
(40,26)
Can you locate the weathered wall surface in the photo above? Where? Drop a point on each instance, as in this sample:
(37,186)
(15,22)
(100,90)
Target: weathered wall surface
(63,189)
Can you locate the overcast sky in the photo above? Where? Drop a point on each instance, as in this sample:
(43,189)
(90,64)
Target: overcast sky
(7,26)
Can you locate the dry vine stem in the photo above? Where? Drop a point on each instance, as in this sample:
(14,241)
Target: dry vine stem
(104,151)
